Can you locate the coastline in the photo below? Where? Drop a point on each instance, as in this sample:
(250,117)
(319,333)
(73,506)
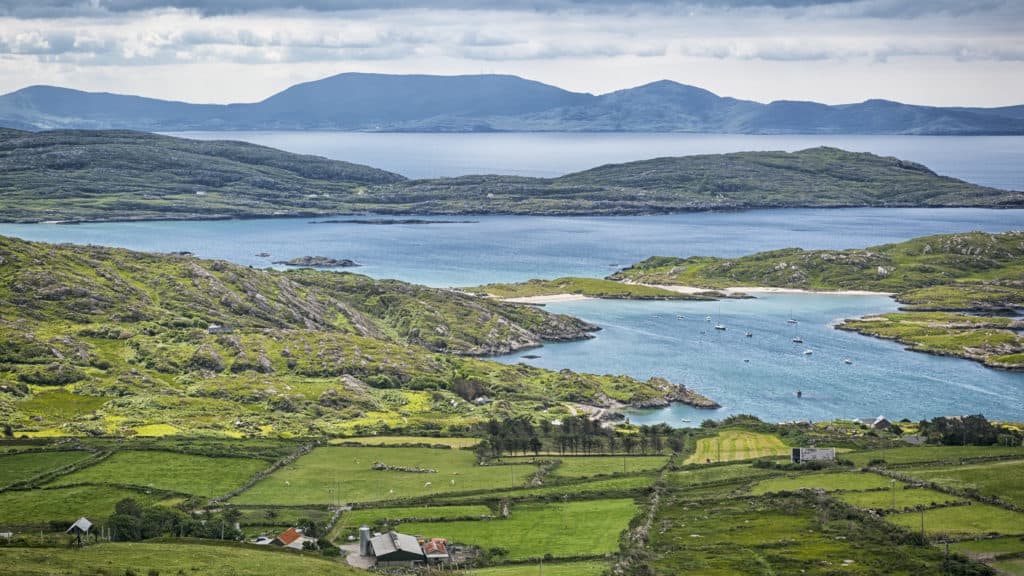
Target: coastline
(735,290)
(547,299)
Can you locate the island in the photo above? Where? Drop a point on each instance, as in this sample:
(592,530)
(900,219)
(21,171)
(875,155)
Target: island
(318,262)
(118,175)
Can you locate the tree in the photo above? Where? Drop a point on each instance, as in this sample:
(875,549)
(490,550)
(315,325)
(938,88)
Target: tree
(535,445)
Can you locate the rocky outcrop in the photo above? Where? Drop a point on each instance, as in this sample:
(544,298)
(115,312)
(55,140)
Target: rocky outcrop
(675,393)
(318,262)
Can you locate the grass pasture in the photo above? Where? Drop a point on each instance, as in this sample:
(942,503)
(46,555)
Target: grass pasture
(573,529)
(772,536)
(951,454)
(19,507)
(959,521)
(589,488)
(990,547)
(1002,479)
(179,557)
(729,445)
(186,473)
(588,466)
(715,474)
(905,497)
(584,568)
(20,467)
(826,481)
(320,476)
(399,440)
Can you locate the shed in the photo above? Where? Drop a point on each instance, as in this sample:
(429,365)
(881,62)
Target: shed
(80,528)
(396,550)
(436,550)
(879,423)
(812,454)
(290,538)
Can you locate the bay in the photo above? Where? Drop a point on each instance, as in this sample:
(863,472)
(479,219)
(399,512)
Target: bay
(759,375)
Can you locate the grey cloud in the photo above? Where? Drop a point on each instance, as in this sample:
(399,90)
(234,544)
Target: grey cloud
(99,8)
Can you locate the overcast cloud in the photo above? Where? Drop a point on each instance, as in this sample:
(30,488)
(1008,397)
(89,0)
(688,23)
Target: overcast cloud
(941,52)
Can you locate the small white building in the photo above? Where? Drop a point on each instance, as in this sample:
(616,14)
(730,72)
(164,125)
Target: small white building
(813,454)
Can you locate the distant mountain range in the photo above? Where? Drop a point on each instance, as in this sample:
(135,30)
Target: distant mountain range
(485,103)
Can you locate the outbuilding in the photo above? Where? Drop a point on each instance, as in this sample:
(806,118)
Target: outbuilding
(393,549)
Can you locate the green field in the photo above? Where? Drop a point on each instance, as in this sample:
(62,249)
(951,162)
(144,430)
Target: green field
(1010,566)
(320,476)
(371,516)
(586,568)
(824,481)
(904,498)
(180,557)
(952,454)
(588,488)
(587,466)
(958,521)
(712,474)
(590,527)
(785,535)
(730,445)
(41,506)
(399,440)
(19,467)
(990,547)
(592,287)
(1002,479)
(186,473)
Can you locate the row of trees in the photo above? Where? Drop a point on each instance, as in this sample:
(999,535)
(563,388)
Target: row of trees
(130,521)
(975,430)
(576,435)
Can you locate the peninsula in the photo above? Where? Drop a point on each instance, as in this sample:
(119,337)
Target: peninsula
(78,176)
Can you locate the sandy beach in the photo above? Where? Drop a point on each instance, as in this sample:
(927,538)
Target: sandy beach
(765,290)
(547,299)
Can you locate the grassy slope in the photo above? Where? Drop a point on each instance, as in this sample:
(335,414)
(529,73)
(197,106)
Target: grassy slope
(824,177)
(563,530)
(111,341)
(83,175)
(186,557)
(21,467)
(974,272)
(76,175)
(737,445)
(313,478)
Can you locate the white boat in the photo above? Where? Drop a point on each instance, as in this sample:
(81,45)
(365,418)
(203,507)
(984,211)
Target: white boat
(680,317)
(792,321)
(798,340)
(847,361)
(707,318)
(749,334)
(719,327)
(808,352)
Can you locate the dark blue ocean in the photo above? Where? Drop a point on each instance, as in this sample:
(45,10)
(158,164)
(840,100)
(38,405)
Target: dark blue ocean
(758,375)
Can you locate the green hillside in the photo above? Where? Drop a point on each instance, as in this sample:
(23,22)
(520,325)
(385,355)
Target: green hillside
(73,175)
(99,340)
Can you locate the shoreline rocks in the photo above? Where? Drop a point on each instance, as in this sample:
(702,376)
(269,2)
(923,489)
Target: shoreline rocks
(318,262)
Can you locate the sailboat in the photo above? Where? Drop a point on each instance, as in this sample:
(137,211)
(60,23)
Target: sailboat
(796,336)
(808,352)
(847,361)
(749,334)
(791,319)
(719,325)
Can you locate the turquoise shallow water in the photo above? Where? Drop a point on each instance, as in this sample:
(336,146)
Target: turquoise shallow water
(760,375)
(646,339)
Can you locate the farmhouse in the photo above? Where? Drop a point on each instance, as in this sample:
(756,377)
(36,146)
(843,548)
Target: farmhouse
(393,549)
(879,423)
(291,538)
(812,454)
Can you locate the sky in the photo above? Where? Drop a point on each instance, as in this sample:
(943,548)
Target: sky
(935,52)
